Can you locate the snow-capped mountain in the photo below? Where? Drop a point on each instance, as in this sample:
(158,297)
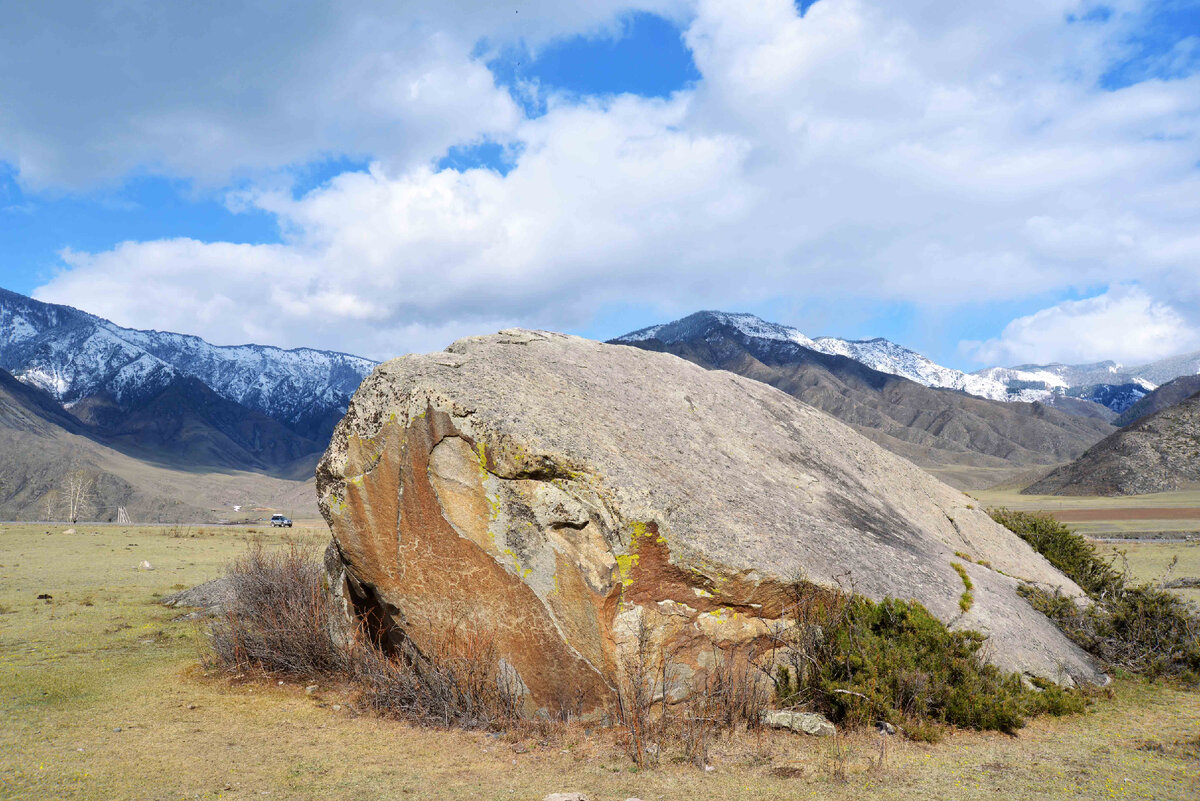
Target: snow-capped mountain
(1029,376)
(878,354)
(1106,383)
(75,355)
(1062,377)
(888,357)
(1168,369)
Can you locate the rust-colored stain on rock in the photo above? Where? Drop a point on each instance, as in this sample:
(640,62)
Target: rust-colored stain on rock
(396,538)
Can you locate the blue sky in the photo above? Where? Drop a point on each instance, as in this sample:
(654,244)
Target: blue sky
(979,185)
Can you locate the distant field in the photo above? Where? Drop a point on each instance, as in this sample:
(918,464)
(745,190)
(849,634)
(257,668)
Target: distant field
(102,698)
(1130,524)
(1134,513)
(1148,561)
(1164,514)
(1050,503)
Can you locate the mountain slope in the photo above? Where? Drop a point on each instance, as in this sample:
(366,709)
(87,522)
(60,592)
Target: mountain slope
(1168,394)
(936,428)
(43,446)
(1163,370)
(188,424)
(74,355)
(1158,453)
(878,354)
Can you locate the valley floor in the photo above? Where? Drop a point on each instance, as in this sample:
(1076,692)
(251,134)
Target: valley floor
(102,697)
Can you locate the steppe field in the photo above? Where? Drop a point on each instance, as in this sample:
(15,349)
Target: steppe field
(104,696)
(1156,537)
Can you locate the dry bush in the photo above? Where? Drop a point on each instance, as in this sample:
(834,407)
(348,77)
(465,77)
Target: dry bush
(279,619)
(731,698)
(644,670)
(457,680)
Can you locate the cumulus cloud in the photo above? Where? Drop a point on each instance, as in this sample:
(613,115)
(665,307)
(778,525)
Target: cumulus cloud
(1124,324)
(936,155)
(91,91)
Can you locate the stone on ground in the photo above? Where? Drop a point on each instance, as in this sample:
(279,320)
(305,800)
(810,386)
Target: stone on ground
(799,722)
(565,499)
(210,597)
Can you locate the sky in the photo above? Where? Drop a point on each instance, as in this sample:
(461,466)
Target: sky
(996,183)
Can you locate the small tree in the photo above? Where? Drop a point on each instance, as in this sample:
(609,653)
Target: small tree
(78,490)
(50,503)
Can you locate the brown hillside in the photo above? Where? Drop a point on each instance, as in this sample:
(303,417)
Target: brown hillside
(1159,453)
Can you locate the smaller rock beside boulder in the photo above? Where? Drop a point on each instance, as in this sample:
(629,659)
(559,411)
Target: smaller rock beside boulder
(799,722)
(211,597)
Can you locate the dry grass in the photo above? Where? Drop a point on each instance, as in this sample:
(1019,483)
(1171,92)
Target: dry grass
(1152,561)
(72,674)
(1013,499)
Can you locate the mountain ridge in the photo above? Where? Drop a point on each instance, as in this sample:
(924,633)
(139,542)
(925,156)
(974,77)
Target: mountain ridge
(44,446)
(937,428)
(74,354)
(1169,394)
(877,353)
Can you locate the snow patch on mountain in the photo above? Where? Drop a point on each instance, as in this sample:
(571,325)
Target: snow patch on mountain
(1010,376)
(888,357)
(878,354)
(688,327)
(72,354)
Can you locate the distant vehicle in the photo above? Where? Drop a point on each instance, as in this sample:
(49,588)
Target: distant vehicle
(280,521)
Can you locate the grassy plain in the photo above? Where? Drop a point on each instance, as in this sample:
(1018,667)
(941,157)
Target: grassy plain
(1149,561)
(102,697)
(1149,530)
(1013,499)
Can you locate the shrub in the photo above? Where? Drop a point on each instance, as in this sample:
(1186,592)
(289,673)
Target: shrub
(858,661)
(459,680)
(1064,549)
(1143,630)
(1140,628)
(280,620)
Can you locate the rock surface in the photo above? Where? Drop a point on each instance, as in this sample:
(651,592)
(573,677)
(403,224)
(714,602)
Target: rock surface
(563,495)
(799,722)
(952,434)
(211,596)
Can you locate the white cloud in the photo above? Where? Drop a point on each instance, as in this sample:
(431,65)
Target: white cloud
(1124,324)
(91,91)
(935,154)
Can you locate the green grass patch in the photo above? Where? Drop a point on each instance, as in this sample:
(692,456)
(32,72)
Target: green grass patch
(968,596)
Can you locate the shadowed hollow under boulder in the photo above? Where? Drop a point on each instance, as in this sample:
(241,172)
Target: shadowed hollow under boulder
(563,495)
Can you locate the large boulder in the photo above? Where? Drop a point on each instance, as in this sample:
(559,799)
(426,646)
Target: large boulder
(571,498)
